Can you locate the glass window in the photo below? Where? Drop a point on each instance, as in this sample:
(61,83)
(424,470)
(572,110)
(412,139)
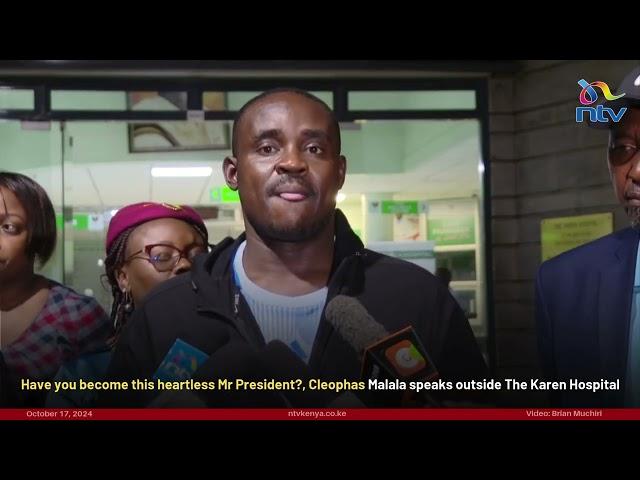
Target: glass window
(237,99)
(104,172)
(16,99)
(81,100)
(413,190)
(462,265)
(413,100)
(118,100)
(156,101)
(35,151)
(413,187)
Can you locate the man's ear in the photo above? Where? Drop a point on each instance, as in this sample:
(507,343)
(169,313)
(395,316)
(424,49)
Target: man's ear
(342,170)
(230,171)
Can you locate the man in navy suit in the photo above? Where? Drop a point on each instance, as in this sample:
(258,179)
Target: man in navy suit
(588,299)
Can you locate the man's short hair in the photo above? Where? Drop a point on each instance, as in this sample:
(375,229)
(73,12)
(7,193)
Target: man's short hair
(274,91)
(41,217)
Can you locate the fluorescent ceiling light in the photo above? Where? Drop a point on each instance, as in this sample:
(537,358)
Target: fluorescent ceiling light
(181,171)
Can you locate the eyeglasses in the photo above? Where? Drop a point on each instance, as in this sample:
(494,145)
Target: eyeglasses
(164,258)
(621,154)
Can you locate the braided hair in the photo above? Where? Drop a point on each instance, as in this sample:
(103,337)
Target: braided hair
(114,260)
(122,304)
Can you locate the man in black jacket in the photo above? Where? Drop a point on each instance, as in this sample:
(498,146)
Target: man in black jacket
(297,253)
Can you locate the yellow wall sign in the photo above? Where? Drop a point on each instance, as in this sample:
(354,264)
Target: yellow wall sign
(558,235)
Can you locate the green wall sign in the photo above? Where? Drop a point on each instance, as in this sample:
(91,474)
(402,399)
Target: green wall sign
(564,233)
(405,207)
(452,230)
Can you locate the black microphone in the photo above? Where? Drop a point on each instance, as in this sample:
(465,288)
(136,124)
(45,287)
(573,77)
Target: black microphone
(182,350)
(353,323)
(386,358)
(276,362)
(189,348)
(232,362)
(282,363)
(178,365)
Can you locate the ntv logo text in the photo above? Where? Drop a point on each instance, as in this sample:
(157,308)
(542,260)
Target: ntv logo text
(600,113)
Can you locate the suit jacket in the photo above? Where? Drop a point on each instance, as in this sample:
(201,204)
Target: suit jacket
(583,311)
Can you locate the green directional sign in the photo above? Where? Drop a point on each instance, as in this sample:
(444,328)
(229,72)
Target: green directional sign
(395,206)
(224,195)
(80,221)
(404,207)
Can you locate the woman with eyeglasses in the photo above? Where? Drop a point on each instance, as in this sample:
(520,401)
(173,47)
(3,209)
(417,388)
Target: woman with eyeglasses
(147,243)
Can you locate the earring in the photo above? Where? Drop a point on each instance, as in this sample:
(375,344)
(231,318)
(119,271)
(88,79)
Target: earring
(128,302)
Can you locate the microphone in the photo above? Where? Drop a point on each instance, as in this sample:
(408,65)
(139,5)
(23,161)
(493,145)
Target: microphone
(180,362)
(283,364)
(237,360)
(135,358)
(387,358)
(274,362)
(188,353)
(353,323)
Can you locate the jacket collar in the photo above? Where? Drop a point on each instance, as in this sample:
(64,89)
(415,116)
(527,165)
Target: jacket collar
(211,277)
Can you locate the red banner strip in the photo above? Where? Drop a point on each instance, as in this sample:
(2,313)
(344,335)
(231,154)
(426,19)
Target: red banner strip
(307,414)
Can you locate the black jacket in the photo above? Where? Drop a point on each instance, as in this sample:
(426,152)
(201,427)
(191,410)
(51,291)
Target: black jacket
(205,309)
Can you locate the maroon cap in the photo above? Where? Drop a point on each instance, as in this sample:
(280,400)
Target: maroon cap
(138,213)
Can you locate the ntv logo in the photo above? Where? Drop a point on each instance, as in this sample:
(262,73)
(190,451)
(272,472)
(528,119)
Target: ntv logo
(588,96)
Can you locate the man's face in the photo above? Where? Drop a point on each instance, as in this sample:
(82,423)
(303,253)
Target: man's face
(288,168)
(624,163)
